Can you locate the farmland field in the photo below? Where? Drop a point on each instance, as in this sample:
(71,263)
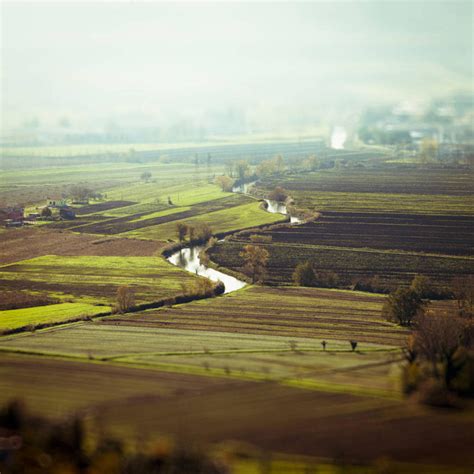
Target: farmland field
(350,264)
(287,312)
(389,222)
(96,279)
(237,238)
(385,179)
(287,369)
(26,243)
(259,341)
(451,235)
(17,318)
(237,217)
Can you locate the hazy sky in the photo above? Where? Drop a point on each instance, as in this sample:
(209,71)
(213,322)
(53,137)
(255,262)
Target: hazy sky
(102,59)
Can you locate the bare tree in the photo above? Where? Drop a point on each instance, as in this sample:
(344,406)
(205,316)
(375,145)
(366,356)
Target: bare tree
(463,291)
(181,231)
(191,232)
(278,194)
(225,182)
(125,298)
(437,337)
(242,168)
(203,232)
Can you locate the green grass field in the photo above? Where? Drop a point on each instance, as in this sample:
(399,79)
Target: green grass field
(18,318)
(234,218)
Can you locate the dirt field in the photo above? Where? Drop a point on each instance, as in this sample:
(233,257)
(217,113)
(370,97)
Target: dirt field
(351,264)
(276,418)
(26,243)
(451,235)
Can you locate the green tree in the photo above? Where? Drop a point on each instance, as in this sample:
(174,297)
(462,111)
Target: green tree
(402,305)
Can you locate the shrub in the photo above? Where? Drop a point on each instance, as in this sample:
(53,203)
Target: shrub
(434,393)
(260,238)
(46,212)
(422,286)
(304,274)
(411,376)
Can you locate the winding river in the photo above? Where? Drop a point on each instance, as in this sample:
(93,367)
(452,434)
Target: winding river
(188,257)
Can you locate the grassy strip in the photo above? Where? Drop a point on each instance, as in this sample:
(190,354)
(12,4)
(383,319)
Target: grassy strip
(17,320)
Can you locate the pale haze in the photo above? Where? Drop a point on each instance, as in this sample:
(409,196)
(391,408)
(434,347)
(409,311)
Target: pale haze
(153,62)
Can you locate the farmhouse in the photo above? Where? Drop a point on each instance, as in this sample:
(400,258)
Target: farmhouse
(56,202)
(12,216)
(67,213)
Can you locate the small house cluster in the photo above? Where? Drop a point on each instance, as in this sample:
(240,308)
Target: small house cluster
(14,216)
(64,210)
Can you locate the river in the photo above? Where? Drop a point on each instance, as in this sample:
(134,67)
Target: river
(188,257)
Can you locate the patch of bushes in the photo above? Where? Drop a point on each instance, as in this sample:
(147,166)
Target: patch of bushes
(306,275)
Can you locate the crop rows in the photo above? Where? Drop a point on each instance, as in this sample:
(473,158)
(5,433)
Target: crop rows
(393,267)
(430,234)
(288,312)
(387,179)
